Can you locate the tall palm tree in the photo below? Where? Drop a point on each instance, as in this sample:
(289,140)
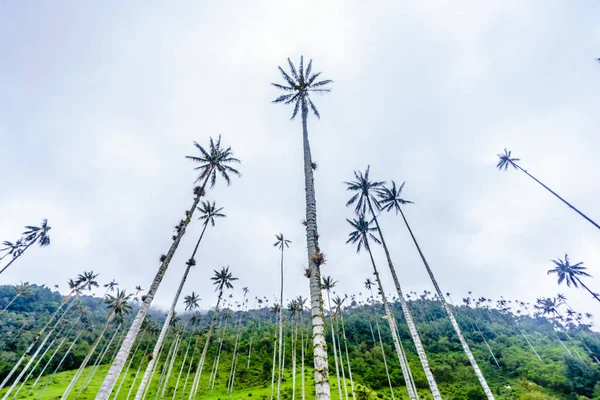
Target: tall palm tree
(327,284)
(12,249)
(87,280)
(22,290)
(281,243)
(505,160)
(118,306)
(391,199)
(141,336)
(194,321)
(211,162)
(364,198)
(33,234)
(571,274)
(110,287)
(208,212)
(222,280)
(298,86)
(360,236)
(301,302)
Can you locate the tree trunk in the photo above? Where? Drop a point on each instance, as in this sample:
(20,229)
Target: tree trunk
(280,326)
(59,364)
(557,196)
(335,356)
(129,366)
(10,303)
(274,364)
(187,377)
(302,361)
(387,371)
(347,356)
(137,373)
(316,299)
(250,351)
(405,367)
(97,363)
(123,354)
(20,254)
(85,361)
(294,340)
(194,389)
(407,314)
(588,289)
(187,349)
(170,370)
(462,340)
(341,361)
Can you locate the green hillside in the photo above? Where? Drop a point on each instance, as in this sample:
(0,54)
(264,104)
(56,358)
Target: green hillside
(503,344)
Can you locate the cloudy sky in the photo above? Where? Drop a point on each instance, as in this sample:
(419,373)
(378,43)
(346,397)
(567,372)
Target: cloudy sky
(101,101)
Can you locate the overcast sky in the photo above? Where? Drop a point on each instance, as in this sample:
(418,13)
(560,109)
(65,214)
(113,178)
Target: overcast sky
(101,101)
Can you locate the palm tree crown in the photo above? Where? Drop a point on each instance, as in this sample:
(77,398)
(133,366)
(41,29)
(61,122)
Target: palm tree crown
(111,285)
(361,234)
(328,283)
(118,304)
(505,160)
(214,160)
(281,242)
(365,191)
(222,279)
(191,301)
(210,212)
(368,283)
(39,233)
(14,249)
(87,280)
(390,198)
(568,272)
(299,85)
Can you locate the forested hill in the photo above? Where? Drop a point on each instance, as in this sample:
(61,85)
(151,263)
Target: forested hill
(521,356)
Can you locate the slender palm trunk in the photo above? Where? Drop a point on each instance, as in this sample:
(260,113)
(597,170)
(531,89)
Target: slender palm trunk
(124,374)
(20,254)
(529,343)
(60,364)
(162,373)
(250,351)
(335,356)
(121,358)
(294,346)
(448,310)
(194,388)
(187,377)
(171,365)
(98,362)
(85,361)
(316,299)
(137,372)
(407,314)
(167,323)
(213,372)
(280,326)
(187,349)
(412,380)
(558,197)
(403,365)
(385,364)
(36,339)
(274,364)
(302,359)
(347,355)
(595,295)
(341,361)
(10,303)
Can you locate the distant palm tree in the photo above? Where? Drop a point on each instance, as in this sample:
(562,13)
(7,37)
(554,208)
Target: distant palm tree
(211,162)
(298,86)
(12,249)
(110,287)
(87,280)
(365,199)
(208,212)
(33,234)
(390,198)
(222,280)
(506,160)
(22,290)
(571,274)
(281,243)
(362,232)
(118,306)
(327,284)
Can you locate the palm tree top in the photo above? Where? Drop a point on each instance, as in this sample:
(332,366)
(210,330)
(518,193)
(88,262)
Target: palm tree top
(328,283)
(33,233)
(111,285)
(506,159)
(368,283)
(191,301)
(298,86)
(365,191)
(214,160)
(567,272)
(119,303)
(209,212)
(24,289)
(222,279)
(390,198)
(361,233)
(281,241)
(87,280)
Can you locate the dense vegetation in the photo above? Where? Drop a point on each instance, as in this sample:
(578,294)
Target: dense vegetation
(512,368)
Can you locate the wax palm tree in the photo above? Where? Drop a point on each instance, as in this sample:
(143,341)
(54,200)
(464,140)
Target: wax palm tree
(22,290)
(298,86)
(87,280)
(222,280)
(110,287)
(328,284)
(212,162)
(33,234)
(208,214)
(118,306)
(281,243)
(390,198)
(12,249)
(360,235)
(571,274)
(191,301)
(505,160)
(339,303)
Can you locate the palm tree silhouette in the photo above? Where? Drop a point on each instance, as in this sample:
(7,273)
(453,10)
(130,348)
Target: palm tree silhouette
(571,274)
(390,198)
(298,86)
(360,235)
(506,160)
(211,162)
(33,234)
(365,199)
(191,302)
(87,280)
